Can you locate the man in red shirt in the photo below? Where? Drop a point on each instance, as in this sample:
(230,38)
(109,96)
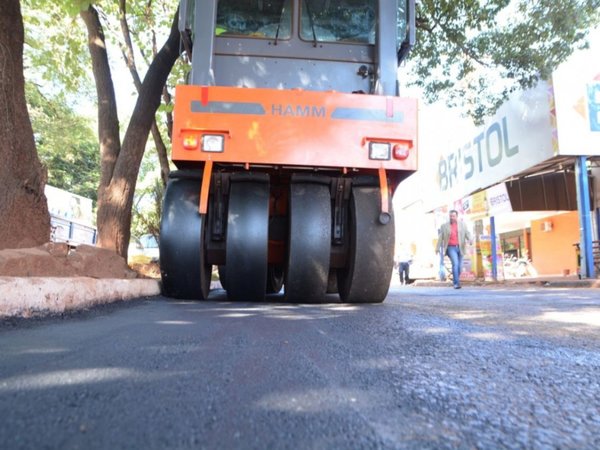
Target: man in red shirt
(452,241)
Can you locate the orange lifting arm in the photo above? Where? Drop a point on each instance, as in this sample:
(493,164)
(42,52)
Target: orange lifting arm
(205,189)
(385,193)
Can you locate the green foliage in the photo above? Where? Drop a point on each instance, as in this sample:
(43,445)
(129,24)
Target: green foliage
(147,209)
(57,59)
(70,7)
(166,108)
(66,143)
(473,54)
(55,52)
(74,7)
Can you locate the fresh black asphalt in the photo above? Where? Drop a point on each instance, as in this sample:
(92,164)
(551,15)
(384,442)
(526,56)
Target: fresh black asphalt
(429,368)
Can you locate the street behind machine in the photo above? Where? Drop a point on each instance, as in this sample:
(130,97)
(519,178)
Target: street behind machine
(290,139)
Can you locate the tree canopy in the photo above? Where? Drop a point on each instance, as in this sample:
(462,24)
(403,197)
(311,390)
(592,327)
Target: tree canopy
(473,54)
(65,142)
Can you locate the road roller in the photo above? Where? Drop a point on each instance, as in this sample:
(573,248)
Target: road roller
(289,139)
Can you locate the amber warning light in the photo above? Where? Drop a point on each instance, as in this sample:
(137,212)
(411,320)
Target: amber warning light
(190,142)
(213,143)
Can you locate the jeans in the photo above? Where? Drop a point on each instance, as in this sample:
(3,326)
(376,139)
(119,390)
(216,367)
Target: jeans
(456,258)
(403,270)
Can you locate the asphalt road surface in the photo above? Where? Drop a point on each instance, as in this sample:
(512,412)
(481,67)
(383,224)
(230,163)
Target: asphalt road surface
(429,368)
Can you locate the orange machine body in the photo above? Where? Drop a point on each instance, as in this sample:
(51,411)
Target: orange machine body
(298,128)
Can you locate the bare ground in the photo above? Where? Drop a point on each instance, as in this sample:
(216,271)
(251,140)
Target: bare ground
(60,260)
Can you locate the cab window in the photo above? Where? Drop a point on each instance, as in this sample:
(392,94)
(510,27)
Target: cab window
(267,19)
(401,23)
(345,21)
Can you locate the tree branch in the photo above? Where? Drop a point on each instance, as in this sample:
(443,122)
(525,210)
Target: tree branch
(108,120)
(128,55)
(464,49)
(146,106)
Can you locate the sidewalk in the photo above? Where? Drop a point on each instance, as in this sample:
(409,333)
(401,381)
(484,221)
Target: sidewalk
(550,281)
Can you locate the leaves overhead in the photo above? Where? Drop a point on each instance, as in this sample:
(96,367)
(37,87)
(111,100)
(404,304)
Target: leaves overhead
(473,54)
(58,61)
(55,47)
(56,50)
(470,53)
(66,143)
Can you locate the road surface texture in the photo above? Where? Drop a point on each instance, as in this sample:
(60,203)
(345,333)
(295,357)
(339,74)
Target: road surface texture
(431,368)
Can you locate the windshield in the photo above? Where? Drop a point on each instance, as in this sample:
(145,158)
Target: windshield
(347,21)
(401,23)
(270,19)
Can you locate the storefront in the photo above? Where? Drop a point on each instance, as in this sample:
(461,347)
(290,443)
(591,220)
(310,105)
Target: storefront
(527,181)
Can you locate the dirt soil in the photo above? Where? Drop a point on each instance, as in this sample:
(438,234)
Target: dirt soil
(59,260)
(146,270)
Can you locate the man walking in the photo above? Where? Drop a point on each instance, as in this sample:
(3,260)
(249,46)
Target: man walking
(404,260)
(452,241)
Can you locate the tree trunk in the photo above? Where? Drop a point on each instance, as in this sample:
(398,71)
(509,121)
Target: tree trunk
(161,151)
(24,217)
(110,216)
(120,168)
(129,56)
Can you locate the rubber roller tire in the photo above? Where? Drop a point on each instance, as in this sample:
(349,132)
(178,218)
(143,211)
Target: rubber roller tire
(309,243)
(367,276)
(184,272)
(247,239)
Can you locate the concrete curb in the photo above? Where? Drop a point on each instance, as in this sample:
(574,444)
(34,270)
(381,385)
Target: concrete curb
(25,297)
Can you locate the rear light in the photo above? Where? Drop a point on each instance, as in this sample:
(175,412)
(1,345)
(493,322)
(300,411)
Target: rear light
(190,142)
(379,151)
(213,143)
(401,150)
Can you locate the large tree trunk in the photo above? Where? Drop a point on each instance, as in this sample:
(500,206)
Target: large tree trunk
(24,217)
(109,217)
(120,168)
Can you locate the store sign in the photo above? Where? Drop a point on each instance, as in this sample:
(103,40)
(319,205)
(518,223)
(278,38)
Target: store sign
(518,137)
(577,92)
(489,202)
(498,200)
(578,109)
(476,204)
(594,105)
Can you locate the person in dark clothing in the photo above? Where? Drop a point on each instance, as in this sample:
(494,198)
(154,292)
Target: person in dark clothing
(404,260)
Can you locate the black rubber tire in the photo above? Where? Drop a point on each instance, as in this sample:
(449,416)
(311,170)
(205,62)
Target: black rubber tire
(183,270)
(222,276)
(309,243)
(366,279)
(247,239)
